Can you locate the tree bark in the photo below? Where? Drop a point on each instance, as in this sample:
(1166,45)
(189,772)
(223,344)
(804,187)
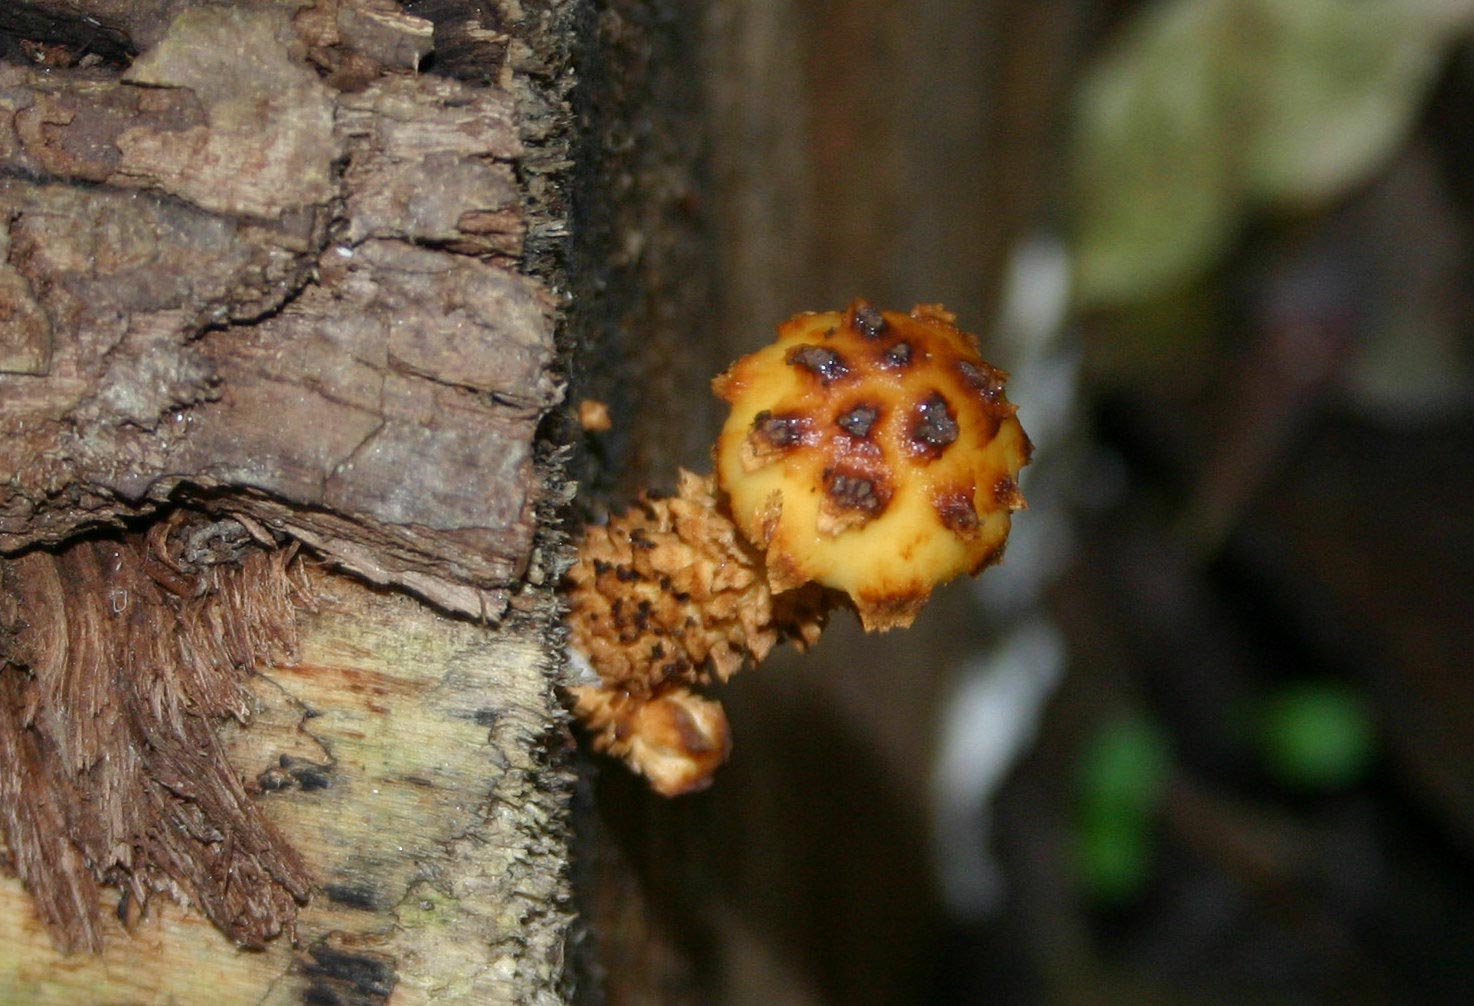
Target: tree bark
(290,270)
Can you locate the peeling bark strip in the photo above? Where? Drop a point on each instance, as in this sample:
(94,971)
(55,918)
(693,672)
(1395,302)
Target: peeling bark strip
(118,658)
(263,265)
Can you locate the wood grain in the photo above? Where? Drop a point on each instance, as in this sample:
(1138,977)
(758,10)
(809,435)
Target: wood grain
(410,760)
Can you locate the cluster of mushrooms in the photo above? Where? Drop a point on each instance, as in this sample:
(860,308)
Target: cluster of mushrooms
(869,456)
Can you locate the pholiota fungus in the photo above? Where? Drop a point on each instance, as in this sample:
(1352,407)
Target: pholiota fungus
(868,457)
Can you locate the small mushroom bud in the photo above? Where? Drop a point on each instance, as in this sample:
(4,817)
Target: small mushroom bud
(868,456)
(676,738)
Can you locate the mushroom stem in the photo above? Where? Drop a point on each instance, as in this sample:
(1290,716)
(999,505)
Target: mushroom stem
(666,596)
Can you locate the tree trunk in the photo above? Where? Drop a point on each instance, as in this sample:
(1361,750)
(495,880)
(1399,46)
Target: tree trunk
(277,311)
(854,148)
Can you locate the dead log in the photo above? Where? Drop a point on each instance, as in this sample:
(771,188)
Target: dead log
(278,297)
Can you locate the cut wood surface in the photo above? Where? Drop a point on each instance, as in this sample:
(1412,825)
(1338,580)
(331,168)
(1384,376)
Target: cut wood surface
(407,758)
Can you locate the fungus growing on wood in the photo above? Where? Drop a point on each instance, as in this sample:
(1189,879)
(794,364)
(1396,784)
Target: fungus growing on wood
(868,457)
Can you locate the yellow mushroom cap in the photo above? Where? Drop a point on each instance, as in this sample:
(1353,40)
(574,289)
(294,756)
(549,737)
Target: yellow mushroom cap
(873,452)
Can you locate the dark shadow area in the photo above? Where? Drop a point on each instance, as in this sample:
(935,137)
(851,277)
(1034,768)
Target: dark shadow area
(60,39)
(803,860)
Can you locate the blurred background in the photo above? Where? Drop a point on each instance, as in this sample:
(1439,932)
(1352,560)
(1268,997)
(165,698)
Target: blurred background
(1207,735)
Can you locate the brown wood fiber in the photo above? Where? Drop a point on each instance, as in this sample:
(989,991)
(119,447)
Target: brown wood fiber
(118,659)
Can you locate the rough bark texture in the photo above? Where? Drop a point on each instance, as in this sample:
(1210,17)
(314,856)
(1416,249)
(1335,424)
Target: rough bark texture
(288,269)
(230,279)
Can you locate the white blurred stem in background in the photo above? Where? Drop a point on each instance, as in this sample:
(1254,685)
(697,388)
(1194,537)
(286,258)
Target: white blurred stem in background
(998,695)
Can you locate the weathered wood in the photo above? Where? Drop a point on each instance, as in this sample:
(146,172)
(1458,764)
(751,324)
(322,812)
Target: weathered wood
(122,654)
(255,264)
(409,759)
(232,281)
(854,148)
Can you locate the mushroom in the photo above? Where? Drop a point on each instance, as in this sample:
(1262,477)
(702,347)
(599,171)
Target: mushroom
(868,457)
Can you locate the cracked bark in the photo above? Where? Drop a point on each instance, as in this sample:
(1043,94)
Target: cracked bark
(256,271)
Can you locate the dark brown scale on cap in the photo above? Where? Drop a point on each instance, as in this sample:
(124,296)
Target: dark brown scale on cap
(866,320)
(858,421)
(987,381)
(935,428)
(780,431)
(856,492)
(956,511)
(897,357)
(826,363)
(1006,493)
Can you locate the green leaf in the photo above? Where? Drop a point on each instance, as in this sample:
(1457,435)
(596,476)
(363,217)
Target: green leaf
(1204,111)
(1125,767)
(1341,86)
(1123,774)
(1113,856)
(1317,736)
(1154,185)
